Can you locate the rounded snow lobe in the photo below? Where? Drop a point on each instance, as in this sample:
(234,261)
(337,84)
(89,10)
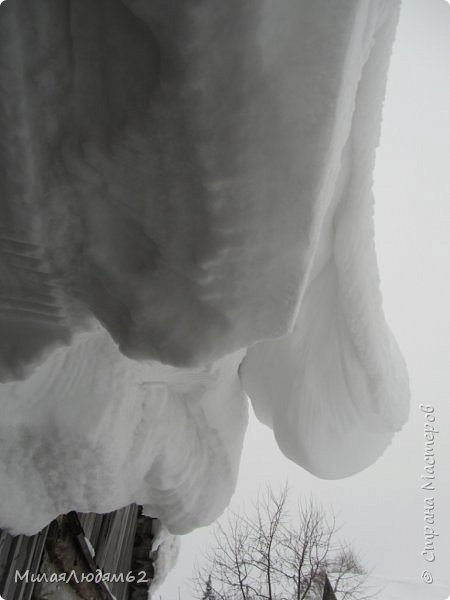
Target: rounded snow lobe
(93,431)
(330,410)
(335,389)
(181,182)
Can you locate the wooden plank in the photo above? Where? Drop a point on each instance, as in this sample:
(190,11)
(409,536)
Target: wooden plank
(113,537)
(24,554)
(6,541)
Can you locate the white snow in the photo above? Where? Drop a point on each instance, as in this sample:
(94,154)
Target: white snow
(210,190)
(338,381)
(412,589)
(93,431)
(166,548)
(90,546)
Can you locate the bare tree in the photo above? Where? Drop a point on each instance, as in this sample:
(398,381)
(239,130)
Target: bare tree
(266,557)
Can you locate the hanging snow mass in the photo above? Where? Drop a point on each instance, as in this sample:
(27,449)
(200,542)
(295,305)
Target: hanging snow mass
(187,219)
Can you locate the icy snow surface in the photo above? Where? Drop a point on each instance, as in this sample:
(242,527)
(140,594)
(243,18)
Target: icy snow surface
(181,183)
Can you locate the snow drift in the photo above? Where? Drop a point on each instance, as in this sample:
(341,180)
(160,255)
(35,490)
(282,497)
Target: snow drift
(181,184)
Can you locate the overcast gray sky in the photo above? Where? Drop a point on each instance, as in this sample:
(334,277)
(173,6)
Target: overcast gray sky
(382,508)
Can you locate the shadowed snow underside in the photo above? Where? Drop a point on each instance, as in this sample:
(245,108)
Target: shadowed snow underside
(139,161)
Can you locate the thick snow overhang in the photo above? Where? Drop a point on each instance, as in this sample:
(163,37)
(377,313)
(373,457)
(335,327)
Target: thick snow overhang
(196,178)
(335,389)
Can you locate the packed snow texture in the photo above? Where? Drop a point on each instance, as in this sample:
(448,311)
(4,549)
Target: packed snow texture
(180,184)
(92,430)
(165,549)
